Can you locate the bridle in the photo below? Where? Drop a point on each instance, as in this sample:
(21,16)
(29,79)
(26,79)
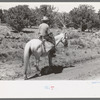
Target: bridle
(64,38)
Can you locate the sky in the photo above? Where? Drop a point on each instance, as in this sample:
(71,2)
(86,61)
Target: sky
(61,6)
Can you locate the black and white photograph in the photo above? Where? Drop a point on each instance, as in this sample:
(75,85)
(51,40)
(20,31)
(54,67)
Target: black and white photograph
(49,41)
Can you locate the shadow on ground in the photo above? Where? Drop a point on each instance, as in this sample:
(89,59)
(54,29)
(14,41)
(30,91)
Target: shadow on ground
(56,69)
(26,31)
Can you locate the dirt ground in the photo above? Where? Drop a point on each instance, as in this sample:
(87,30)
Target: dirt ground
(79,61)
(89,70)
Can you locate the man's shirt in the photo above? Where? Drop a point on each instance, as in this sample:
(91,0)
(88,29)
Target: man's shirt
(43,29)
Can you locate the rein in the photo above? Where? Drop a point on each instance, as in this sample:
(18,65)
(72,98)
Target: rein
(59,41)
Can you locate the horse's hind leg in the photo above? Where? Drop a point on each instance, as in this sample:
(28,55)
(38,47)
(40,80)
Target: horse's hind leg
(27,54)
(37,68)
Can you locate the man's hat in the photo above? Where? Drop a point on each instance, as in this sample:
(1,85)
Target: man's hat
(45,18)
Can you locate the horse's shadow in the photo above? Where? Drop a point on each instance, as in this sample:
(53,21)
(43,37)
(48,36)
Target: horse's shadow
(49,70)
(56,69)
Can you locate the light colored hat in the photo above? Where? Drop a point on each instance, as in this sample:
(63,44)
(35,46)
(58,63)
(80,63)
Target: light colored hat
(45,18)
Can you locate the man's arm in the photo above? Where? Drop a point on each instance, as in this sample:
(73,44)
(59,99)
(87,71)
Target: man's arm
(48,30)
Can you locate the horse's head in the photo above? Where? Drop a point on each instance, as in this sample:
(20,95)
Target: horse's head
(65,40)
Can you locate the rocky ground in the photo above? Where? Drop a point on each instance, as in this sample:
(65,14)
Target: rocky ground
(79,61)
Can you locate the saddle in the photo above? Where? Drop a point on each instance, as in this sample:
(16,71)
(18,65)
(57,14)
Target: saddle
(48,42)
(46,45)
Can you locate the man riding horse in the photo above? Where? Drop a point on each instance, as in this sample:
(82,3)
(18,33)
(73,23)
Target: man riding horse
(45,34)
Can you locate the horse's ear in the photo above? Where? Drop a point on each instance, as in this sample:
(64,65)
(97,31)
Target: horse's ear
(65,34)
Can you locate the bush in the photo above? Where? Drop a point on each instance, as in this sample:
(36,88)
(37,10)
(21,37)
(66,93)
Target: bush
(79,42)
(73,34)
(18,17)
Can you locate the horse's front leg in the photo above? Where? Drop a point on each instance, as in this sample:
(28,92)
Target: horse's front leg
(50,60)
(50,63)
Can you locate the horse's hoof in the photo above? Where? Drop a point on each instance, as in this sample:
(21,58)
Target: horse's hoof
(38,73)
(25,78)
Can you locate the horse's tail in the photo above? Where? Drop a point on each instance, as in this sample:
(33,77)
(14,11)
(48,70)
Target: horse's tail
(27,53)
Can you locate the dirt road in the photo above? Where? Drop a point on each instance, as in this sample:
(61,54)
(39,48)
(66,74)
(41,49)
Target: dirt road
(89,70)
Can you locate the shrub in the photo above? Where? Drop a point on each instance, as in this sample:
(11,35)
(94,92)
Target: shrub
(18,17)
(73,34)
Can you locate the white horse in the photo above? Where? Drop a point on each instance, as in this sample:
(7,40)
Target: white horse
(36,47)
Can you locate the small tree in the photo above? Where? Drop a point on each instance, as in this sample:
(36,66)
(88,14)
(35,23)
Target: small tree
(18,17)
(62,19)
(1,15)
(32,18)
(45,10)
(83,17)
